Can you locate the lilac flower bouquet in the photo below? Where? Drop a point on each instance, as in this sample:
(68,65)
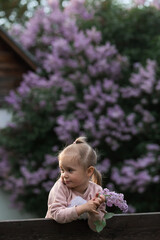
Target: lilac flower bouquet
(112,198)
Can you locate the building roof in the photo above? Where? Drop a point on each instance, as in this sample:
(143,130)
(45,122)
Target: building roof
(19,49)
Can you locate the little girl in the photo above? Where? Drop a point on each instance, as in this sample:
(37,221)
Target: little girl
(76,193)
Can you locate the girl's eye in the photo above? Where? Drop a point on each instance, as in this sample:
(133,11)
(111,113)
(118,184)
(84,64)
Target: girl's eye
(62,171)
(70,170)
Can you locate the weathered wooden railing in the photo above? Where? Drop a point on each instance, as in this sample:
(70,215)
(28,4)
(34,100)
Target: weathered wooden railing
(145,226)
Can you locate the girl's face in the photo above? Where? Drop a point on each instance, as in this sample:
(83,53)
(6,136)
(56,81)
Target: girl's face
(73,175)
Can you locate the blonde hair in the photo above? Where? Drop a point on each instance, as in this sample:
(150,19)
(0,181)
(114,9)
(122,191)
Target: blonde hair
(86,156)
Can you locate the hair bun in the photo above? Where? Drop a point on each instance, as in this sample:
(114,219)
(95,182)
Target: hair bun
(80,140)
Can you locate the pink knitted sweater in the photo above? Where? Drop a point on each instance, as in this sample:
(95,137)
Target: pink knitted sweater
(62,202)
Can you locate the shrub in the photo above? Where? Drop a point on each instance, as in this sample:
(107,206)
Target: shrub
(135,31)
(80,89)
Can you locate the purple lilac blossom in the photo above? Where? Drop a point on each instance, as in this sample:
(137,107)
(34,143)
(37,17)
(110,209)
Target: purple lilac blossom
(104,166)
(136,175)
(116,199)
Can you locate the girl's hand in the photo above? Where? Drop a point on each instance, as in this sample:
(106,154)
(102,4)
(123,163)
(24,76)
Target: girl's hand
(94,203)
(99,198)
(90,207)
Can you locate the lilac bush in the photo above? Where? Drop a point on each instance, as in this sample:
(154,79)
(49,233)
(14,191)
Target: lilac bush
(80,88)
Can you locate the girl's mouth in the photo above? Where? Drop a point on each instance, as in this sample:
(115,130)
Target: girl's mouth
(67,182)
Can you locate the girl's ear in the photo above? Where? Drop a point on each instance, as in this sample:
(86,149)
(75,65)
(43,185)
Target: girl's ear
(90,171)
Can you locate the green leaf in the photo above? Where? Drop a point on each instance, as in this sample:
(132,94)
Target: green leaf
(100,225)
(108,215)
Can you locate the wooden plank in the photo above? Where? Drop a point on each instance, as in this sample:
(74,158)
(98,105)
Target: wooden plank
(9,85)
(10,57)
(10,65)
(3,45)
(11,74)
(120,227)
(6,56)
(6,85)
(8,79)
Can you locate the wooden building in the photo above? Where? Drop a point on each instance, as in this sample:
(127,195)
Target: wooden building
(14,62)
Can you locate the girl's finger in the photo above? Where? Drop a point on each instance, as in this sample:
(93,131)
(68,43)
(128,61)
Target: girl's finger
(99,200)
(97,203)
(94,211)
(103,198)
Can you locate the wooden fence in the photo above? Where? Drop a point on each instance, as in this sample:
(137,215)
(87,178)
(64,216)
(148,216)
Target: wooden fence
(145,226)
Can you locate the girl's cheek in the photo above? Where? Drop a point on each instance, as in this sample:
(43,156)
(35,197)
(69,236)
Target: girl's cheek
(62,178)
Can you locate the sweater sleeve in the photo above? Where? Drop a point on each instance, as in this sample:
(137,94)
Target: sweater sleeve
(57,205)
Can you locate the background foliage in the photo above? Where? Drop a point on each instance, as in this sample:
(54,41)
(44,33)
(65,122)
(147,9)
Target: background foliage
(135,32)
(85,86)
(19,11)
